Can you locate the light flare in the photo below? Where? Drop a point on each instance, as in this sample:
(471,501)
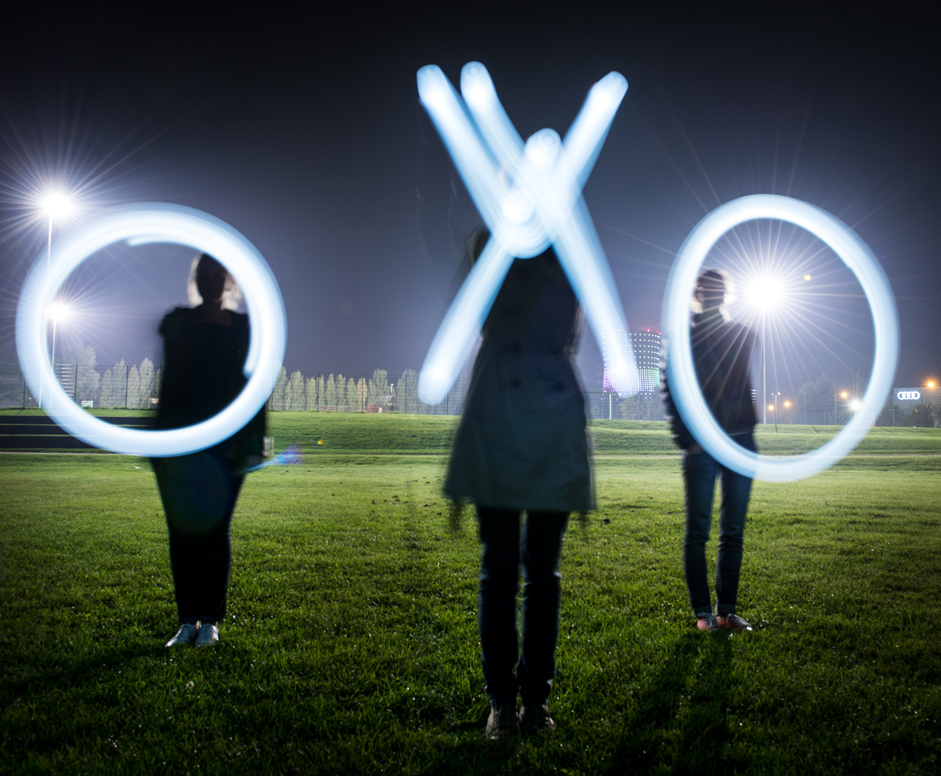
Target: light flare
(766,292)
(290,456)
(56,205)
(60,311)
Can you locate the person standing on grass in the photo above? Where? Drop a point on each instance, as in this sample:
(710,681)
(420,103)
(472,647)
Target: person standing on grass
(204,357)
(522,449)
(722,351)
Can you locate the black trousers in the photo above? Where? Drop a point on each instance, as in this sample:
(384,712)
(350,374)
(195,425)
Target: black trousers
(503,551)
(199,492)
(700,471)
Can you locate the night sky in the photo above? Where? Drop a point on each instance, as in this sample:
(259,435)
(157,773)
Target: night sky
(308,138)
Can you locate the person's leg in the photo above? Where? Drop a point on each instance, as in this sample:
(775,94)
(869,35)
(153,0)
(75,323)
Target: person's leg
(496,601)
(699,473)
(541,552)
(216,559)
(184,545)
(199,494)
(736,490)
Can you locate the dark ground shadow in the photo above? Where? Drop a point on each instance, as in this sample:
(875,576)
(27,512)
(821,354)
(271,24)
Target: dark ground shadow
(681,719)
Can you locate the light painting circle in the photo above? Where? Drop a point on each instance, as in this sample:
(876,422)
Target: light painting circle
(681,372)
(137,225)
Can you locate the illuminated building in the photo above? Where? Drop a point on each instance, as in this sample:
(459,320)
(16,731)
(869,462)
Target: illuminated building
(646,345)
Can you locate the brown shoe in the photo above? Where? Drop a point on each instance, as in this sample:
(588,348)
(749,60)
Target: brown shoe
(503,721)
(707,623)
(536,719)
(732,622)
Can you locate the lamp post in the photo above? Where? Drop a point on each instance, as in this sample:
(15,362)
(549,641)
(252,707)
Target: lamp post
(929,408)
(841,395)
(54,205)
(764,372)
(59,312)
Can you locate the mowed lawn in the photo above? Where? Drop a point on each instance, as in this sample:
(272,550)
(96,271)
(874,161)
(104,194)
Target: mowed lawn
(350,644)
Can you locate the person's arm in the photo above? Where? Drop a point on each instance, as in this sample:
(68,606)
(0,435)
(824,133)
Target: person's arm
(252,438)
(681,436)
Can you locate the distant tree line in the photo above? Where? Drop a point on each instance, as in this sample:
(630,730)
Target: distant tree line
(84,380)
(818,402)
(333,393)
(336,393)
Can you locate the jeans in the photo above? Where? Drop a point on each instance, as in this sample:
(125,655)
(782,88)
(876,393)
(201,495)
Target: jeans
(199,492)
(501,554)
(700,472)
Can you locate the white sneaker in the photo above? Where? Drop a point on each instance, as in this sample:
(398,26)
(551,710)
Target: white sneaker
(185,635)
(208,635)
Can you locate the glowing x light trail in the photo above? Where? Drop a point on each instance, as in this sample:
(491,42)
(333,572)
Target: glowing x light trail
(681,372)
(530,196)
(138,225)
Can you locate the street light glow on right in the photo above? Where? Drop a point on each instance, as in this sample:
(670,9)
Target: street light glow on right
(60,311)
(57,204)
(765,292)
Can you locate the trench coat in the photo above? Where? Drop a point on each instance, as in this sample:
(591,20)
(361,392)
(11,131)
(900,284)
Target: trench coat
(522,442)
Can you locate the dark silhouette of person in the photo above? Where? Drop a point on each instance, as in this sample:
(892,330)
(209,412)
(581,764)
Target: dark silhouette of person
(521,447)
(722,352)
(204,356)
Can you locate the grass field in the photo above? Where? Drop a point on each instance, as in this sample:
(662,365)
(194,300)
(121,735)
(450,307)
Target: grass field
(351,644)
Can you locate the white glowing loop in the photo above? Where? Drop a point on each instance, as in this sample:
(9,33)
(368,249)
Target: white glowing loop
(681,373)
(150,223)
(529,195)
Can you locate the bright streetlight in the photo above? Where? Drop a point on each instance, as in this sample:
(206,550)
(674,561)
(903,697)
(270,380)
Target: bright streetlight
(56,205)
(765,292)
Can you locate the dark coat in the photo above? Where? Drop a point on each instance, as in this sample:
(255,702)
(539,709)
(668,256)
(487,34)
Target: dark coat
(722,352)
(202,373)
(522,441)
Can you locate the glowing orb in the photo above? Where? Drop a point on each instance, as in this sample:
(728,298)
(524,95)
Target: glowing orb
(681,372)
(530,196)
(766,292)
(138,225)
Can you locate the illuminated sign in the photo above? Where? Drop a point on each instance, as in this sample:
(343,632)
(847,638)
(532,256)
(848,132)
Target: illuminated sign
(530,196)
(908,395)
